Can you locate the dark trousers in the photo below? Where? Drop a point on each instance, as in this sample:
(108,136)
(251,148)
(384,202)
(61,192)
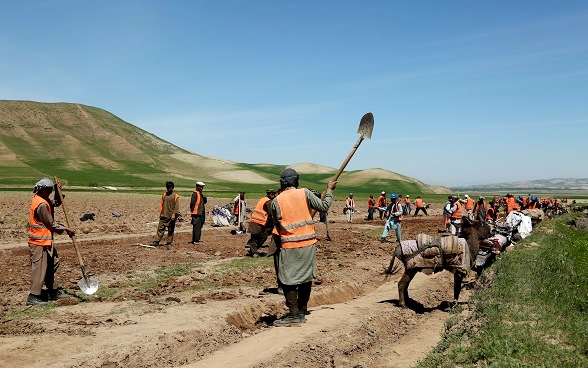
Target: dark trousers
(370,215)
(197,222)
(297,297)
(421,209)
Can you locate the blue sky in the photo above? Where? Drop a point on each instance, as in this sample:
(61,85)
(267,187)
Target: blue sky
(463,92)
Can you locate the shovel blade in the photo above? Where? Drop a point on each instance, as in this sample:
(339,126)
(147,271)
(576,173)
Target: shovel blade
(366,126)
(88,285)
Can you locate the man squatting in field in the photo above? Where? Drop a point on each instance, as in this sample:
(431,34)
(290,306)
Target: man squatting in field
(198,210)
(261,223)
(295,238)
(168,213)
(44,259)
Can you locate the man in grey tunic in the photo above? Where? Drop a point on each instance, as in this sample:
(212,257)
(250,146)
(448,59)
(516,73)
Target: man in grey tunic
(296,241)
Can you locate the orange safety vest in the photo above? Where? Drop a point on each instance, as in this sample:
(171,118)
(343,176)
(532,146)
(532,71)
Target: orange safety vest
(258,215)
(381,201)
(371,203)
(296,227)
(236,206)
(197,204)
(176,196)
(418,202)
(532,205)
(491,214)
(38,233)
(469,204)
(407,200)
(457,213)
(350,203)
(524,201)
(511,205)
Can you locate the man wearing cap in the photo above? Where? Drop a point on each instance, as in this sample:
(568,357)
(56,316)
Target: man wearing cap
(349,207)
(407,208)
(168,213)
(454,214)
(43,255)
(260,222)
(381,204)
(469,206)
(198,211)
(295,237)
(394,214)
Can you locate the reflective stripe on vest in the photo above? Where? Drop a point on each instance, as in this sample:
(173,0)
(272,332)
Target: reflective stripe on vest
(296,226)
(197,204)
(176,196)
(457,213)
(258,215)
(38,233)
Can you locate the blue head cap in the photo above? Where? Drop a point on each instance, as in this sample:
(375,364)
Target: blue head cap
(393,196)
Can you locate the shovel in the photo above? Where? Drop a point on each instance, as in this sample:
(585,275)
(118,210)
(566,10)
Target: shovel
(88,284)
(366,126)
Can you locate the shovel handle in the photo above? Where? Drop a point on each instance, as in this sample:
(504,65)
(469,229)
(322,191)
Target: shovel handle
(73,238)
(349,156)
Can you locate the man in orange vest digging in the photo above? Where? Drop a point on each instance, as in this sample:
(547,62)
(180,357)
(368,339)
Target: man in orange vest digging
(198,211)
(43,255)
(371,202)
(260,222)
(168,213)
(295,238)
(420,206)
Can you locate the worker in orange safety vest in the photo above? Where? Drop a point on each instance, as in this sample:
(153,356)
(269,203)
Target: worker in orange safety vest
(295,238)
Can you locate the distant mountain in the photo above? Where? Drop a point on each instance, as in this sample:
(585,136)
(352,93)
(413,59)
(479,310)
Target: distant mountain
(88,146)
(532,185)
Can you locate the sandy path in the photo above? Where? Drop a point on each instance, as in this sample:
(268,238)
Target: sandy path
(333,320)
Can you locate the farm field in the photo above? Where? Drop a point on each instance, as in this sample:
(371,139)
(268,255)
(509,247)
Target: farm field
(208,305)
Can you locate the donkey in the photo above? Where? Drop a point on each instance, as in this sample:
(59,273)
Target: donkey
(472,231)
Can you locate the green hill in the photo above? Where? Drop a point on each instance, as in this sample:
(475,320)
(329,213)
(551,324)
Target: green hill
(88,146)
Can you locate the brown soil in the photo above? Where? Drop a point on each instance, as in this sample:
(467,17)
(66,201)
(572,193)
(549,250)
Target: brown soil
(219,311)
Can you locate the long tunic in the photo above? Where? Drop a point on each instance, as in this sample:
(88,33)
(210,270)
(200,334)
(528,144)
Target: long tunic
(298,265)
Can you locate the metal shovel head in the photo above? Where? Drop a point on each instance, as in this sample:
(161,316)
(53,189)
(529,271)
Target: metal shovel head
(366,126)
(88,285)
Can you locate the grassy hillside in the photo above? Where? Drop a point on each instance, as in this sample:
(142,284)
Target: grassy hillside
(87,146)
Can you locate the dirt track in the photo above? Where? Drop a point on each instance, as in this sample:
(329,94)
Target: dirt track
(219,312)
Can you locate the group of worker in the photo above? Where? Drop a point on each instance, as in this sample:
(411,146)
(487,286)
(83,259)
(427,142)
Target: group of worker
(482,211)
(293,237)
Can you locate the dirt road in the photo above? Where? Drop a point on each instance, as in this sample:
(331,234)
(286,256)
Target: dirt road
(208,305)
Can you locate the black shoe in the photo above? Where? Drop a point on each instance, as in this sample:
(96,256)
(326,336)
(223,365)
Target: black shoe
(289,321)
(57,294)
(382,240)
(191,242)
(35,300)
(154,244)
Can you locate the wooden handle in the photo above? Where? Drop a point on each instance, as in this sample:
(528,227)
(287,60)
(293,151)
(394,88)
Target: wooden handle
(73,238)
